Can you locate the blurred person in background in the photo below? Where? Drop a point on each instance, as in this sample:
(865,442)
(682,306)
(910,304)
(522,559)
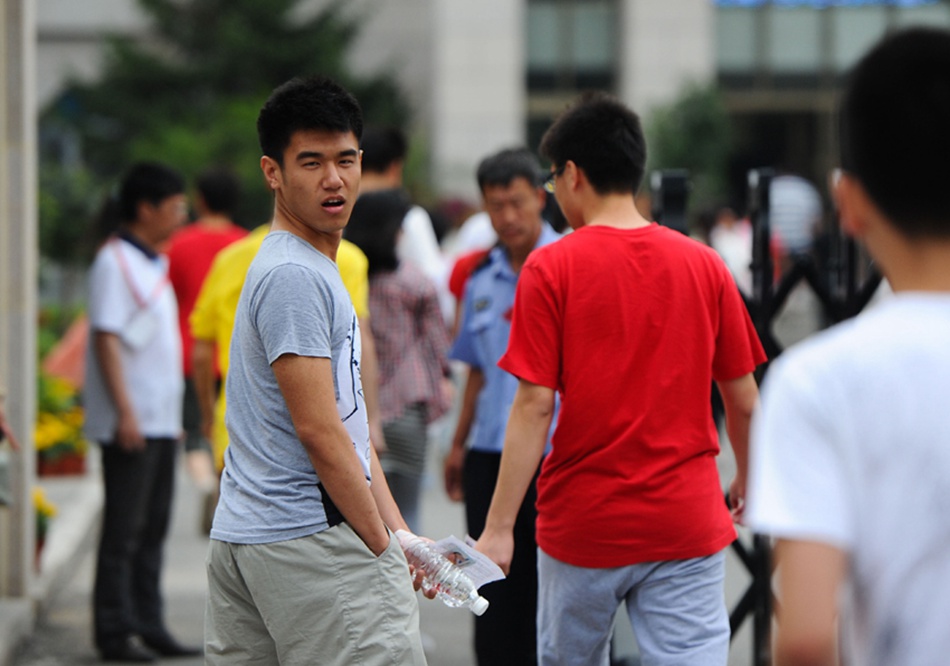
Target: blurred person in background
(190,253)
(411,345)
(384,159)
(132,396)
(731,237)
(512,196)
(795,212)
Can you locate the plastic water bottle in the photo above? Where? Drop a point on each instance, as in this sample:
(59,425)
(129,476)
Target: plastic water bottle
(452,585)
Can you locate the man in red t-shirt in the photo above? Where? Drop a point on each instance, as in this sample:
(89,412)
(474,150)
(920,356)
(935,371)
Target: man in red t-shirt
(190,253)
(630,323)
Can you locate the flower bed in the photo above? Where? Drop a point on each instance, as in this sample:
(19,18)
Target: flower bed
(60,446)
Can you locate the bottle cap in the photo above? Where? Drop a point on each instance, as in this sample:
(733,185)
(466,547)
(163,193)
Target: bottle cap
(479,606)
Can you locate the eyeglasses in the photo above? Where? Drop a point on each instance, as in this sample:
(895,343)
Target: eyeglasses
(548,183)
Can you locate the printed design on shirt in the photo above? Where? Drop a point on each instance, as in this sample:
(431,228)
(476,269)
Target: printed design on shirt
(355,387)
(481,304)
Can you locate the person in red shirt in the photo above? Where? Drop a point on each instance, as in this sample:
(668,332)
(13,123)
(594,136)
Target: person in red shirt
(462,270)
(630,323)
(190,253)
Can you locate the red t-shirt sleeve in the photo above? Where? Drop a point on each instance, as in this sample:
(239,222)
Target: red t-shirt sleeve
(534,344)
(738,348)
(462,270)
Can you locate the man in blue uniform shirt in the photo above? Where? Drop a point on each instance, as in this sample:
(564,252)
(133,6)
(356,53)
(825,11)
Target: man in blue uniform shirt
(514,199)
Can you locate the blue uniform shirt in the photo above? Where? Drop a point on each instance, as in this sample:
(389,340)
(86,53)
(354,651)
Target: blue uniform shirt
(483,338)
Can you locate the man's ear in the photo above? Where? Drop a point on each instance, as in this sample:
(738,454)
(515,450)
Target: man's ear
(271,169)
(855,207)
(143,211)
(572,174)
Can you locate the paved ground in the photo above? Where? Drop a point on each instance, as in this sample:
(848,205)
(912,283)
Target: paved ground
(63,635)
(63,631)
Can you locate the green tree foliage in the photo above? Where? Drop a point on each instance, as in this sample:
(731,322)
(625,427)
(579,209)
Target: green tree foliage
(693,133)
(189,95)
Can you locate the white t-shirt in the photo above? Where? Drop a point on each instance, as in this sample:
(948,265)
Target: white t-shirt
(795,211)
(851,447)
(419,245)
(129,295)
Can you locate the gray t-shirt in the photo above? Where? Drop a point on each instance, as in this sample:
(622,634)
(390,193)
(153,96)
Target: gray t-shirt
(293,302)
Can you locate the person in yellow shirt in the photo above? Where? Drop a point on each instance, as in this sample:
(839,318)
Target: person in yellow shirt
(212,321)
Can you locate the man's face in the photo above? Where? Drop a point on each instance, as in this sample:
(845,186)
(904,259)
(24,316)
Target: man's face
(160,221)
(515,212)
(319,181)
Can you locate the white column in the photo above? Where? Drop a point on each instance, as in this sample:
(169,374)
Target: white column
(664,45)
(478,88)
(18,282)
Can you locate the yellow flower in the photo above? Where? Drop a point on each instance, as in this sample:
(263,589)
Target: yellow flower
(44,507)
(74,417)
(52,430)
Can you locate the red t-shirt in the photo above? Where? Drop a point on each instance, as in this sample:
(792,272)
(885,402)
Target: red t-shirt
(631,327)
(190,253)
(462,270)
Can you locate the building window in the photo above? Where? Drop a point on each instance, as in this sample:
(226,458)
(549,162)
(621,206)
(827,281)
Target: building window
(571,46)
(807,44)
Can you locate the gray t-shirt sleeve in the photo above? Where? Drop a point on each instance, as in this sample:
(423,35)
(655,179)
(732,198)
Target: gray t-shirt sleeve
(292,309)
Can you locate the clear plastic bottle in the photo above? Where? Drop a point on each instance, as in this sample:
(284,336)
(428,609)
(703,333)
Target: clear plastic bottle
(452,585)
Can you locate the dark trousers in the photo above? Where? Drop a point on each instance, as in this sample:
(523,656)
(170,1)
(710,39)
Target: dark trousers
(138,494)
(506,634)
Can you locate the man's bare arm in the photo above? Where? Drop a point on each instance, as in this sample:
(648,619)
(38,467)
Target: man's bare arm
(525,437)
(809,577)
(202,375)
(739,397)
(108,355)
(307,386)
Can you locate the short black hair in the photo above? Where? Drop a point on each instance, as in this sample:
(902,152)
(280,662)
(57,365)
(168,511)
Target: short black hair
(895,129)
(220,189)
(374,227)
(503,167)
(152,182)
(382,146)
(603,137)
(312,103)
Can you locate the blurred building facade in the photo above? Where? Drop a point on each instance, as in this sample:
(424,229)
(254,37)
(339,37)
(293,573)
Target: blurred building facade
(781,64)
(479,76)
(484,75)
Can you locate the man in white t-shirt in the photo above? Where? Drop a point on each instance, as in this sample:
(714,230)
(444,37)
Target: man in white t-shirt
(132,397)
(850,465)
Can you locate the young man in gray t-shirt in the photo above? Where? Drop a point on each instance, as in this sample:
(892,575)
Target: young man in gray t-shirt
(303,566)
